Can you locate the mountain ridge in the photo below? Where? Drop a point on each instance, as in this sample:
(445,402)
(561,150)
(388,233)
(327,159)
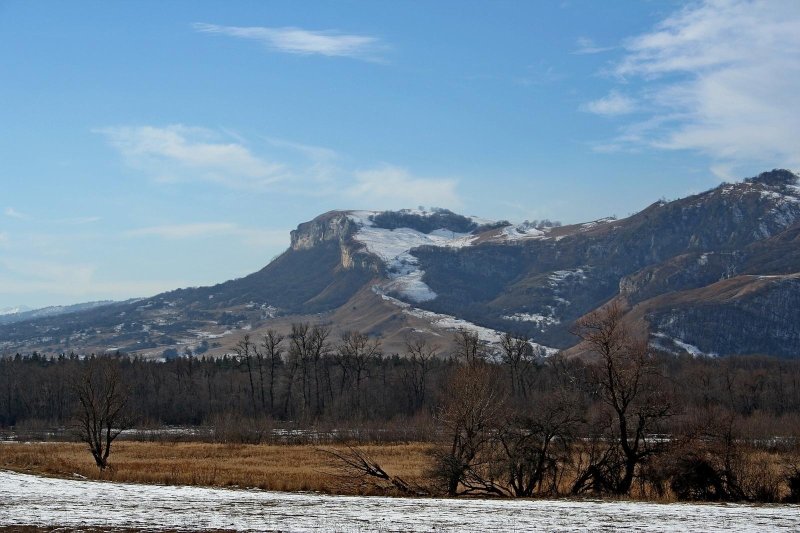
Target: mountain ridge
(670,264)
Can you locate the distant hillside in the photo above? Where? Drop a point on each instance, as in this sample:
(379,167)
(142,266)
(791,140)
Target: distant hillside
(20,313)
(715,273)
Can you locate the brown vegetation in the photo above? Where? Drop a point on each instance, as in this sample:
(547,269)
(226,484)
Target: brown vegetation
(270,467)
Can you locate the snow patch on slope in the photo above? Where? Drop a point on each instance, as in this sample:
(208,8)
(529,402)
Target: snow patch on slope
(685,346)
(14,310)
(540,320)
(560,276)
(594,223)
(451,323)
(524,231)
(394,247)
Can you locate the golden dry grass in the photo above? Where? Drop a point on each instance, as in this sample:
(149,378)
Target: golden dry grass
(271,467)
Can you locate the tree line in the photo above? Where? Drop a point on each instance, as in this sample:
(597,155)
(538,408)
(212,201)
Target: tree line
(623,420)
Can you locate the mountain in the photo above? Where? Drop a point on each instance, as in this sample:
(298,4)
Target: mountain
(14,310)
(20,313)
(715,273)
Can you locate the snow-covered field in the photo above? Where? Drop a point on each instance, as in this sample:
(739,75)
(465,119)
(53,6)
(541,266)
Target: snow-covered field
(32,500)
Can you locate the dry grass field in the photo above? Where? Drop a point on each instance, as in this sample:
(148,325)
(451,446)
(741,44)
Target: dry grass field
(290,467)
(271,467)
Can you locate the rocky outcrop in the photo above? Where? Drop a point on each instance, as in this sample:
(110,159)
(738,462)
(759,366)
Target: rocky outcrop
(335,227)
(331,226)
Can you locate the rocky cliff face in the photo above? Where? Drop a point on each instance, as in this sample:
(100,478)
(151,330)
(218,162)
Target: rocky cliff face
(331,226)
(339,228)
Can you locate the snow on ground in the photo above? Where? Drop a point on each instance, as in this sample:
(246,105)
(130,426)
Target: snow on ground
(540,320)
(558,276)
(48,502)
(451,323)
(393,247)
(524,231)
(593,223)
(688,348)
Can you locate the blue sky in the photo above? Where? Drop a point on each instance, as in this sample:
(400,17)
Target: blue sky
(153,145)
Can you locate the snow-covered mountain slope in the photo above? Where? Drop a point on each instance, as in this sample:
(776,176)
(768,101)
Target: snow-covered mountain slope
(393,246)
(716,272)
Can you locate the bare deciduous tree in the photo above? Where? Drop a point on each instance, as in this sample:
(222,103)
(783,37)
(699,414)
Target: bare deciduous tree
(537,443)
(272,353)
(468,347)
(102,415)
(245,350)
(469,417)
(517,353)
(355,354)
(627,381)
(420,354)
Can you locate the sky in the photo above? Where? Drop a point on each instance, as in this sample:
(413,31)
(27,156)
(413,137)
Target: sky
(150,145)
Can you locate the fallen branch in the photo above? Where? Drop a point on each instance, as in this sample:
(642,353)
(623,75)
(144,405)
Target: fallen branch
(356,464)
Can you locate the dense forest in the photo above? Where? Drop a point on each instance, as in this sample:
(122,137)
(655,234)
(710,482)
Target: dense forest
(627,419)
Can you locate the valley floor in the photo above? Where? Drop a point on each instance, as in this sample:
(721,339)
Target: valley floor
(40,502)
(281,467)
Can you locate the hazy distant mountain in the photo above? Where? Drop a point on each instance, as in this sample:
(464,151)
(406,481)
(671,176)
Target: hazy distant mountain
(14,310)
(20,313)
(717,272)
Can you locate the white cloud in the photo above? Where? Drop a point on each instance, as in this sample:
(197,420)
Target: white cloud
(612,104)
(3,238)
(292,40)
(721,77)
(13,213)
(51,273)
(77,221)
(393,187)
(587,46)
(180,153)
(71,292)
(184,231)
(316,163)
(72,282)
(249,236)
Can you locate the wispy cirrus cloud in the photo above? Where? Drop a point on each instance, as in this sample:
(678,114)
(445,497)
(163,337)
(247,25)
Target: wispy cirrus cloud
(331,43)
(184,231)
(13,213)
(586,46)
(79,221)
(72,281)
(391,187)
(614,103)
(206,230)
(48,273)
(721,77)
(181,153)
